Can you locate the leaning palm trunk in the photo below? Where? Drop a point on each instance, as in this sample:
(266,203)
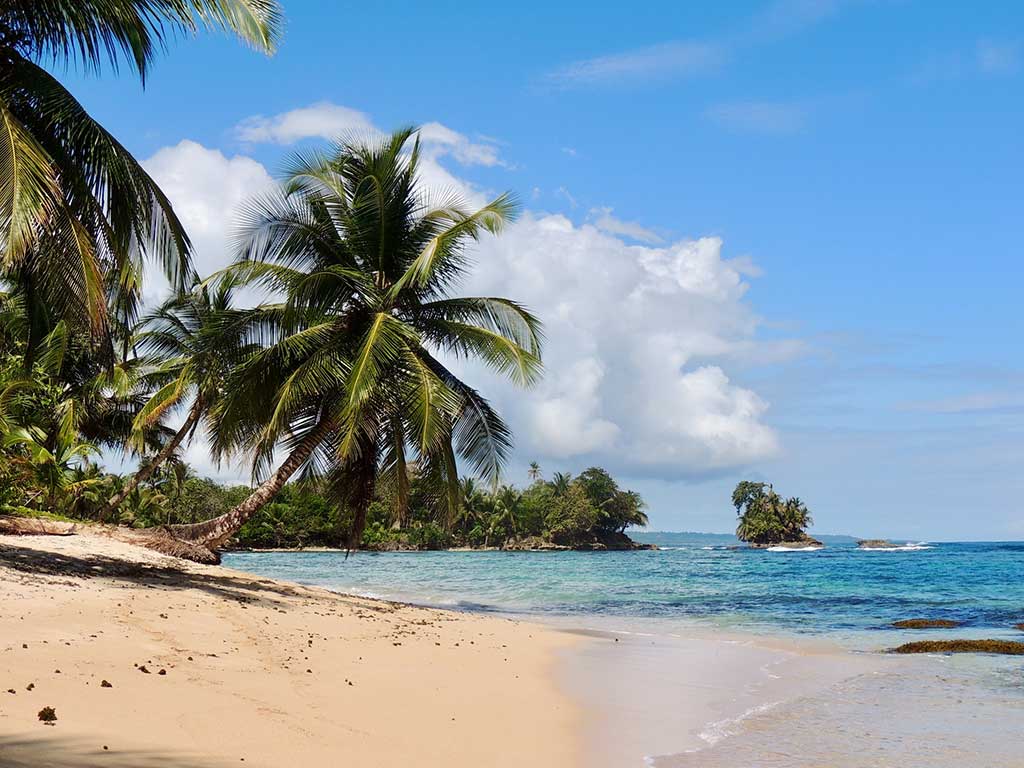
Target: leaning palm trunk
(146,471)
(213,534)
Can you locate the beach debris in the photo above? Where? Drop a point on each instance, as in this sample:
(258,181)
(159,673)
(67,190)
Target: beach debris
(30,686)
(143,670)
(28,526)
(926,624)
(105,684)
(162,672)
(1004,647)
(11,690)
(48,715)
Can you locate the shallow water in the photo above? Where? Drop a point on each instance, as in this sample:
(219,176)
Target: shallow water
(936,711)
(839,590)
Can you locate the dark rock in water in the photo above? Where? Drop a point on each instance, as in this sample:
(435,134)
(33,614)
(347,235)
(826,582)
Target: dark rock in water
(533,544)
(1005,647)
(926,624)
(393,546)
(597,542)
(806,541)
(875,544)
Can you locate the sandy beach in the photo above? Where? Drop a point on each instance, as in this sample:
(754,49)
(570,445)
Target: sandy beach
(207,667)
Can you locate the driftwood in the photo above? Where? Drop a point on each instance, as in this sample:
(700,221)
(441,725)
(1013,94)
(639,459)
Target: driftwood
(160,540)
(34,526)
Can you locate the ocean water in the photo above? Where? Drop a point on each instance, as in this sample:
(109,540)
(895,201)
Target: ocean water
(849,594)
(936,711)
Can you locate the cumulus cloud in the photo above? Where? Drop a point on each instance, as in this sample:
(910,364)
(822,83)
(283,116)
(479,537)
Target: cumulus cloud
(641,333)
(207,190)
(636,340)
(329,121)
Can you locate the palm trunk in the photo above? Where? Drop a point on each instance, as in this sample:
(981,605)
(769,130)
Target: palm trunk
(214,533)
(146,471)
(402,473)
(362,495)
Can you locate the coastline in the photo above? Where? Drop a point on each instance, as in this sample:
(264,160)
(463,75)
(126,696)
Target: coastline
(602,691)
(240,668)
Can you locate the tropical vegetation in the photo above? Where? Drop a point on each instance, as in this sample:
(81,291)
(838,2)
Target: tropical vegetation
(339,390)
(766,518)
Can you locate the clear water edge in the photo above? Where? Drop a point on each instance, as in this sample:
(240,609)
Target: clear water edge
(839,595)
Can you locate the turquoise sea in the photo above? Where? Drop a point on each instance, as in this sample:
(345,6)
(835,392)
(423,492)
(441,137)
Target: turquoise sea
(839,590)
(939,711)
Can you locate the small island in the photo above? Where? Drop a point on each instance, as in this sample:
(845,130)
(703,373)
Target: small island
(768,520)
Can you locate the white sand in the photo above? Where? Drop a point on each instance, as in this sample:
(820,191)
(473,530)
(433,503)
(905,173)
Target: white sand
(389,685)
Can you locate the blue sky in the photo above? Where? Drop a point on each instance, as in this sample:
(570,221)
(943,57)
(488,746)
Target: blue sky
(830,189)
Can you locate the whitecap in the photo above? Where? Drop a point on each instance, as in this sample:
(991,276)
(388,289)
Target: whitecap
(718,730)
(810,548)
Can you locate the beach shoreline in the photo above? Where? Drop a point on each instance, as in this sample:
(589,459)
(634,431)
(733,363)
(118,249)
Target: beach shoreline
(209,667)
(267,671)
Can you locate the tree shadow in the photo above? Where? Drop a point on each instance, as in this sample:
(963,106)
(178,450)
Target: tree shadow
(231,586)
(56,751)
(37,562)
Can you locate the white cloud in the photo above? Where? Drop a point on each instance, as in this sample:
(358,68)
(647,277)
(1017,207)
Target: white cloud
(329,121)
(653,62)
(758,116)
(630,331)
(639,336)
(207,190)
(606,222)
(321,120)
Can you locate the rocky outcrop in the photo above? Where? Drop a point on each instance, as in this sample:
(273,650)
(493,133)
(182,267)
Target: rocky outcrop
(598,542)
(392,546)
(926,624)
(1005,647)
(534,544)
(875,544)
(806,541)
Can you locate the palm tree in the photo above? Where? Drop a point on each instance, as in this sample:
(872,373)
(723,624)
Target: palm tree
(351,383)
(193,352)
(471,504)
(503,517)
(534,472)
(560,482)
(78,213)
(54,458)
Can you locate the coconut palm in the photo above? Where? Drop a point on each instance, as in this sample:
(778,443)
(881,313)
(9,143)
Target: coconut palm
(78,213)
(560,482)
(534,472)
(192,353)
(503,516)
(354,379)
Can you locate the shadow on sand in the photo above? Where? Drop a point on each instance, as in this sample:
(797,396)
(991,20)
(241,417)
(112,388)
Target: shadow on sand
(31,561)
(56,751)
